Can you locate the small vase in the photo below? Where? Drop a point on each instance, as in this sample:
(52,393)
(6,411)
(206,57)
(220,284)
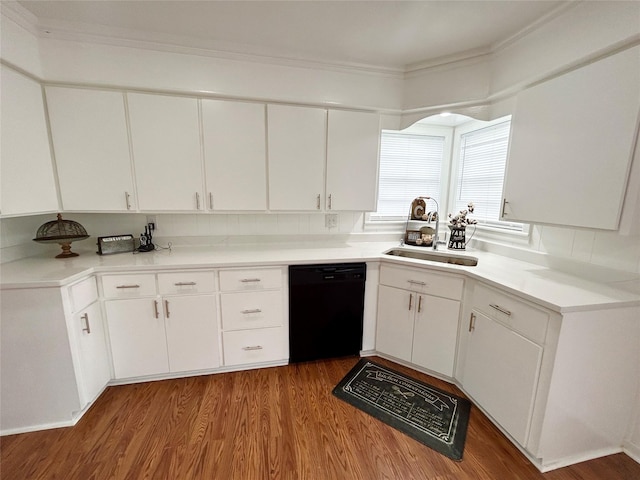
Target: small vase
(457,238)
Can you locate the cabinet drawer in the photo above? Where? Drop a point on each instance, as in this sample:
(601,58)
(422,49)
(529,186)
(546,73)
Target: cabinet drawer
(521,317)
(83,293)
(422,281)
(245,310)
(253,279)
(255,346)
(186,282)
(127,286)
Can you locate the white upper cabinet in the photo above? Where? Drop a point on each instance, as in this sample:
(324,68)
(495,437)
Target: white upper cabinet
(353,140)
(571,145)
(27,182)
(235,155)
(165,136)
(91,146)
(297,153)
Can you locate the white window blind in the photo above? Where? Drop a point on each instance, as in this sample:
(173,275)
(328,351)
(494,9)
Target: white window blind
(410,166)
(481,169)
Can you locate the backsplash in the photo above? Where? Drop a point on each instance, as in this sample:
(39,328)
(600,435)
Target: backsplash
(597,247)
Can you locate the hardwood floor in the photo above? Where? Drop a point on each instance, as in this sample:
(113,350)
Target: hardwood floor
(276,423)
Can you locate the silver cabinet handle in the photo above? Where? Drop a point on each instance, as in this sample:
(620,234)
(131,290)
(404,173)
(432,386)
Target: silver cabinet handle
(166,308)
(255,310)
(197,201)
(318,203)
(210,201)
(127,200)
(416,282)
(419,303)
(128,286)
(472,322)
(504,204)
(155,308)
(253,347)
(500,309)
(250,280)
(185,284)
(87,327)
(329,201)
(410,300)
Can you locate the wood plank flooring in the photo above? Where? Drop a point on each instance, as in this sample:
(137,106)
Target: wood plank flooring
(275,423)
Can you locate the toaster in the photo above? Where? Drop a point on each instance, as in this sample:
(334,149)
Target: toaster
(115,244)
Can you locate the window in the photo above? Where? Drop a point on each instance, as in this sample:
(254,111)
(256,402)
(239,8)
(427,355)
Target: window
(482,158)
(410,166)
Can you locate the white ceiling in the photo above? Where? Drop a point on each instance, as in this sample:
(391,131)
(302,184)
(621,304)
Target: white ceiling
(383,34)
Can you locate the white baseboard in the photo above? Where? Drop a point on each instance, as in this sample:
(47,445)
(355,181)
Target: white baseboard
(632,450)
(36,428)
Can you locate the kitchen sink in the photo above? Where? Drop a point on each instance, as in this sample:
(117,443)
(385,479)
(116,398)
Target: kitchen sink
(434,257)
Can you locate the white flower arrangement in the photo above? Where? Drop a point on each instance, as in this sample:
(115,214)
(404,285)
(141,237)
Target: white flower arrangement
(461,220)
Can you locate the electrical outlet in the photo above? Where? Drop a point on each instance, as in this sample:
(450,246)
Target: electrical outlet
(331,220)
(151,222)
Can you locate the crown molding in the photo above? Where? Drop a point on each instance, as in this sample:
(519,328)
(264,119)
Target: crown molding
(532,27)
(101,35)
(20,15)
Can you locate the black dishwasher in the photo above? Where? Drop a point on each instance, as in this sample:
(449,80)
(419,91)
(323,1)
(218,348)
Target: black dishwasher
(326,303)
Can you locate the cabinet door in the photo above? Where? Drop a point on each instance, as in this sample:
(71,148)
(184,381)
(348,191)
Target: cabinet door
(91,144)
(297,153)
(94,357)
(138,339)
(394,332)
(235,155)
(571,144)
(165,136)
(353,139)
(27,183)
(192,332)
(501,374)
(435,333)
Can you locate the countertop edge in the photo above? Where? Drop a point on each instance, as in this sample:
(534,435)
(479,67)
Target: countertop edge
(357,255)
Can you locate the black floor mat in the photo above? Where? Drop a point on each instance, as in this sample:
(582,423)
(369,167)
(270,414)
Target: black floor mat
(429,415)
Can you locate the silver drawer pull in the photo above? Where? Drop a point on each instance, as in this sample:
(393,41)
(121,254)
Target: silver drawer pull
(500,309)
(250,280)
(87,328)
(255,310)
(254,347)
(128,286)
(416,282)
(185,284)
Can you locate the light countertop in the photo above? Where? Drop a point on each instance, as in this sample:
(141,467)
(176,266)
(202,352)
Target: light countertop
(559,291)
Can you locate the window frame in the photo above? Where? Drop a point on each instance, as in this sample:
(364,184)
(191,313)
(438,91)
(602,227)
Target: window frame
(449,178)
(371,222)
(488,230)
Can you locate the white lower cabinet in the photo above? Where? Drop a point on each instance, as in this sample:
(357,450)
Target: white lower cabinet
(259,345)
(501,374)
(504,343)
(54,358)
(138,337)
(162,334)
(414,325)
(95,368)
(192,333)
(253,316)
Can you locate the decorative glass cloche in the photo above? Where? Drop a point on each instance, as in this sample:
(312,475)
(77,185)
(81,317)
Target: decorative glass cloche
(62,232)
